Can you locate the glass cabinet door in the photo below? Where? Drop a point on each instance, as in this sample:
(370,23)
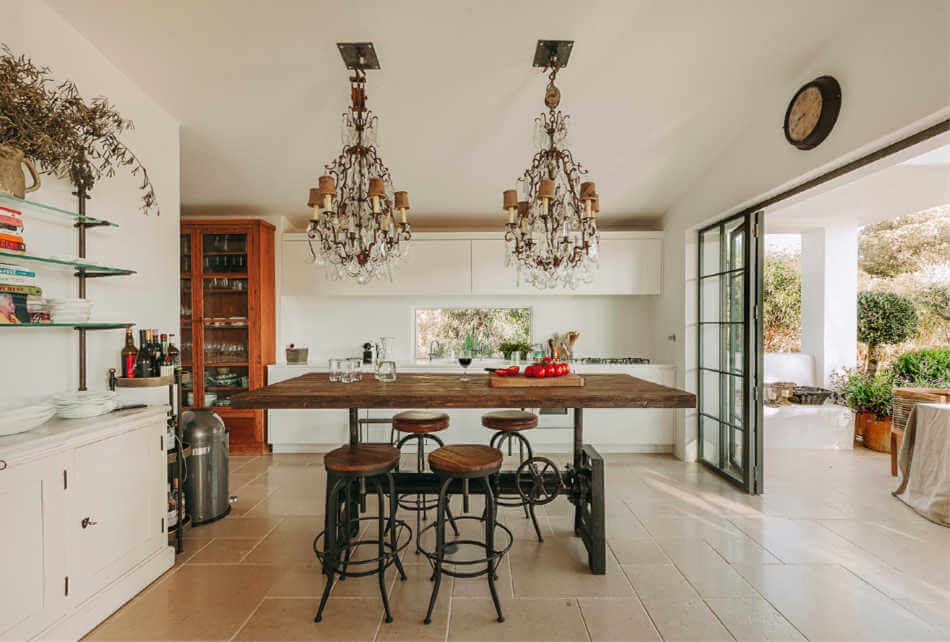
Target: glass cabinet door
(186,315)
(224,291)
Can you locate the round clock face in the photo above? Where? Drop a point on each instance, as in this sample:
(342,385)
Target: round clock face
(812,113)
(804,114)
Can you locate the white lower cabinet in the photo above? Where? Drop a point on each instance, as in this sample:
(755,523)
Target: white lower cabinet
(33,554)
(85,524)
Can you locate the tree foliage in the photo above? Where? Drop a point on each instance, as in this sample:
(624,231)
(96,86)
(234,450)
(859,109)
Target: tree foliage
(905,244)
(884,318)
(782,302)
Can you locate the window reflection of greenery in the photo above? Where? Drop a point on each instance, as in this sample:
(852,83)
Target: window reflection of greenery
(481,330)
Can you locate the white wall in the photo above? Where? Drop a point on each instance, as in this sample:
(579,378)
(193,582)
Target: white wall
(44,361)
(338,326)
(892,63)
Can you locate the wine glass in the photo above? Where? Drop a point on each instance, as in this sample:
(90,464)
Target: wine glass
(465,360)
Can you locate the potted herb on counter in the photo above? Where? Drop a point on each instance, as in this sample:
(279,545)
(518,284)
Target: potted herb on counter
(508,347)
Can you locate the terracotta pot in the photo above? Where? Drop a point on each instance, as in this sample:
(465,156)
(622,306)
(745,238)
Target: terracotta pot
(860,421)
(12,179)
(877,434)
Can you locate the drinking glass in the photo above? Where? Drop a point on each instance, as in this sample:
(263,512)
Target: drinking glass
(386,371)
(355,366)
(465,360)
(346,371)
(336,368)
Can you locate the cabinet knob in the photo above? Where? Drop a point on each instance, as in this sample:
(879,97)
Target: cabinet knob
(88,521)
(3,465)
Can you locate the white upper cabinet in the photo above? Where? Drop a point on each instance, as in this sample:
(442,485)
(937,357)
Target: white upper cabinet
(627,266)
(441,267)
(442,264)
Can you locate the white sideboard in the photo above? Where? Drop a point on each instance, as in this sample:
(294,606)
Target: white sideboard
(84,502)
(474,263)
(616,430)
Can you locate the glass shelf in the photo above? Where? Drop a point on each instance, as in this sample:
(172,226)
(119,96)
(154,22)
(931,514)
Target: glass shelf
(78,326)
(88,268)
(32,207)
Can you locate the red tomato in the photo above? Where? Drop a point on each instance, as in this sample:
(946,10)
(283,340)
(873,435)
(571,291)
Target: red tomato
(513,370)
(540,372)
(529,371)
(501,372)
(550,371)
(563,369)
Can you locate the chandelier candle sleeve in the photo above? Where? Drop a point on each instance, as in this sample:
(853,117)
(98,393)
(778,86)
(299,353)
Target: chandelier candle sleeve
(510,203)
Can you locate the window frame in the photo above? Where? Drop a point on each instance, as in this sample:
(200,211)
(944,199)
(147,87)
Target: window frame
(416,308)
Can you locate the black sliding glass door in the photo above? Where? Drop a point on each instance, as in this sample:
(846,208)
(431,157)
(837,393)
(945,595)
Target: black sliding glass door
(730,349)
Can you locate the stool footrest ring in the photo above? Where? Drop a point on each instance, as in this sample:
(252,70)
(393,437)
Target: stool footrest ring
(492,557)
(346,563)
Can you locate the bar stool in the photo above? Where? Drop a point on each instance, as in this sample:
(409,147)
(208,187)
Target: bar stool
(419,426)
(349,468)
(509,424)
(466,462)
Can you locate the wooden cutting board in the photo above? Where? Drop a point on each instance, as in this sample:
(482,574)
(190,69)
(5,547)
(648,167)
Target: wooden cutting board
(521,381)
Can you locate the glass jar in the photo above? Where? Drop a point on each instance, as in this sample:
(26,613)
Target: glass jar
(336,369)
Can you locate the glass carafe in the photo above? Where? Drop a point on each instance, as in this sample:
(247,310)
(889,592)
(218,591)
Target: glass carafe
(384,354)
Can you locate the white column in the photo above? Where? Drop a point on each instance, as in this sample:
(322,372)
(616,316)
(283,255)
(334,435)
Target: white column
(829,297)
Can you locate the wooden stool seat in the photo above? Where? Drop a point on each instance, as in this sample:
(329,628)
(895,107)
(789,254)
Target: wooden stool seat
(510,420)
(466,460)
(420,421)
(364,459)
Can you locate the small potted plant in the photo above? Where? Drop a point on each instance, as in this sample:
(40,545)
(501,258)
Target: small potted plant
(869,396)
(507,348)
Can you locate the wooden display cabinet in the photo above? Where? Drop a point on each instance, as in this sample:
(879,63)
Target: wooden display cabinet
(227,320)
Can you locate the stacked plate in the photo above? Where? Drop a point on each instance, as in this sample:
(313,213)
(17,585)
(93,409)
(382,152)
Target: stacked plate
(20,417)
(79,405)
(70,310)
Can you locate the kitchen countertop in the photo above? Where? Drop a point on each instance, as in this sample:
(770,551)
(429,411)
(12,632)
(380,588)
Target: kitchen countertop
(477,365)
(57,432)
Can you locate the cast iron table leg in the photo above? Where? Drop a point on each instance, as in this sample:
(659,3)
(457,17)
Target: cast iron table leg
(592,530)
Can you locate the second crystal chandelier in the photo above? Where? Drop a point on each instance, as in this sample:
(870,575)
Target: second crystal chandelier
(354,228)
(551,232)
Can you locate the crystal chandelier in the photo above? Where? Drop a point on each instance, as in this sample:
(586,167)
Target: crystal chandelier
(551,233)
(354,229)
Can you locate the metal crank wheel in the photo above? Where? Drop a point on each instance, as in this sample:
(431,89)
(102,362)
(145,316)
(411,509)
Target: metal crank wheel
(539,481)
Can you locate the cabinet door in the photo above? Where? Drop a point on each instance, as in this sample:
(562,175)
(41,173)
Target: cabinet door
(436,267)
(119,485)
(33,554)
(627,266)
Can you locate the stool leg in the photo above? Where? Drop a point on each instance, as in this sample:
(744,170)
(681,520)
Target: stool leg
(448,507)
(393,507)
(348,529)
(330,544)
(439,547)
(490,509)
(381,550)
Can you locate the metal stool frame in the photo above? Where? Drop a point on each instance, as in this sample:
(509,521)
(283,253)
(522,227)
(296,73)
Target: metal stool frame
(340,536)
(498,440)
(421,506)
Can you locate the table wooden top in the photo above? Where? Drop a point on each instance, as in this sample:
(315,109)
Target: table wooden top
(315,390)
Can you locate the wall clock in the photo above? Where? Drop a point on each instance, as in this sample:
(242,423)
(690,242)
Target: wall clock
(812,112)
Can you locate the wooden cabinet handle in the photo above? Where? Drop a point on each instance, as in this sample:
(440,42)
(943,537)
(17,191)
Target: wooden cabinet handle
(88,521)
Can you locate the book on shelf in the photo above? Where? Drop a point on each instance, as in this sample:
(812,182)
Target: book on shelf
(10,223)
(25,290)
(14,246)
(8,270)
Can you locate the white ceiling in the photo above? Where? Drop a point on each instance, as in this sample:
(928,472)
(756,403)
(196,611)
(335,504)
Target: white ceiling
(656,89)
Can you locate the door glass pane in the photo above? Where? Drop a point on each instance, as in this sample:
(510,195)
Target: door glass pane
(711,300)
(735,250)
(711,351)
(709,252)
(709,380)
(223,381)
(710,437)
(732,400)
(734,308)
(733,335)
(185,253)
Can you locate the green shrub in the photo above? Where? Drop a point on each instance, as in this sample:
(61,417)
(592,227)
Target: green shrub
(927,368)
(865,391)
(884,318)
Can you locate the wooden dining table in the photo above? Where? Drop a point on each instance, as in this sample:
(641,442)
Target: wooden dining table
(582,481)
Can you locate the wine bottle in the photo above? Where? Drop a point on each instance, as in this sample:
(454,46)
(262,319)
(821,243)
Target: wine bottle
(129,355)
(143,365)
(173,350)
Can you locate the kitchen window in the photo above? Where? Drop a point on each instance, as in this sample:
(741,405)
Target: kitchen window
(443,333)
